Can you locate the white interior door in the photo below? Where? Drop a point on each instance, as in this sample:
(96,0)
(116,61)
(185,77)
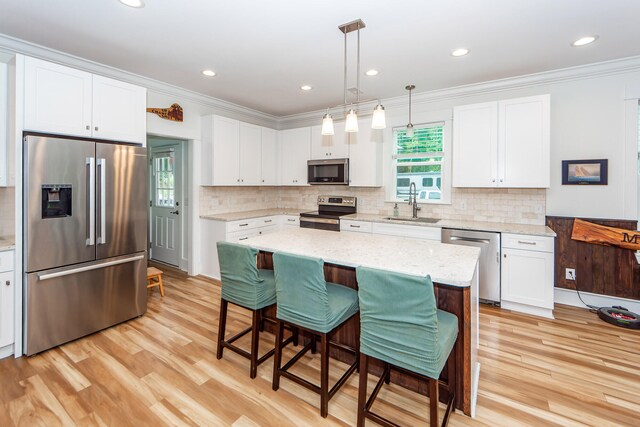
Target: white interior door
(166,185)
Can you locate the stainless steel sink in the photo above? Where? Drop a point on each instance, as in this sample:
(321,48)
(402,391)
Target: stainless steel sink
(409,219)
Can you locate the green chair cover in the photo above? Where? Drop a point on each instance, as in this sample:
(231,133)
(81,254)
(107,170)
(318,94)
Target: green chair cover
(400,324)
(306,299)
(242,282)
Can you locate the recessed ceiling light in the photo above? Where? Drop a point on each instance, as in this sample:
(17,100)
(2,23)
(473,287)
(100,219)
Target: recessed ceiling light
(305,87)
(209,73)
(584,41)
(133,3)
(460,52)
(372,72)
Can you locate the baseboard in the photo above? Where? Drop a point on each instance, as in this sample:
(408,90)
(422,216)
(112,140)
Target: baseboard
(527,309)
(6,351)
(570,297)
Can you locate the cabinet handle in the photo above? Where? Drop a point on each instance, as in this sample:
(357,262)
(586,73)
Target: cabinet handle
(501,179)
(291,220)
(263,180)
(505,255)
(7,283)
(268,220)
(354,226)
(493,180)
(243,225)
(88,127)
(243,238)
(96,127)
(523,242)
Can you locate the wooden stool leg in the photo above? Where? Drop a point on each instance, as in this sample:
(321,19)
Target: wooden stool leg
(221,326)
(160,284)
(433,402)
(275,385)
(362,388)
(324,376)
(255,335)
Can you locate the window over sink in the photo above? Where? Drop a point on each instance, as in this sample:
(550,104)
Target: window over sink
(422,160)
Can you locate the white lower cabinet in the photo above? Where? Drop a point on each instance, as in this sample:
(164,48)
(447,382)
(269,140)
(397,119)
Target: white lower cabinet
(399,230)
(355,226)
(527,274)
(6,303)
(214,231)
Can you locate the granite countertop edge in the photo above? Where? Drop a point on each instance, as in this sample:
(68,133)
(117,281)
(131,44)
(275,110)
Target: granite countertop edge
(528,229)
(239,216)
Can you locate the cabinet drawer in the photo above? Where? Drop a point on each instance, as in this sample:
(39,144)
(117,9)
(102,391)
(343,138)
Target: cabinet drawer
(267,221)
(526,242)
(246,224)
(239,236)
(291,220)
(357,226)
(6,261)
(414,231)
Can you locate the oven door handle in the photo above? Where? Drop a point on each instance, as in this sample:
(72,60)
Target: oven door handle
(320,220)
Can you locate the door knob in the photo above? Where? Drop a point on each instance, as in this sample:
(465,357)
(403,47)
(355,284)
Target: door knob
(176,212)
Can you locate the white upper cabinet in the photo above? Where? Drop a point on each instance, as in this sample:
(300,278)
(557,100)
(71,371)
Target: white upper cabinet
(250,154)
(57,99)
(237,153)
(365,156)
(295,150)
(502,144)
(334,146)
(63,100)
(269,157)
(220,151)
(119,110)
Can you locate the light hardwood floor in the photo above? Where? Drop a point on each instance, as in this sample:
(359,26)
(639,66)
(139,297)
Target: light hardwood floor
(161,369)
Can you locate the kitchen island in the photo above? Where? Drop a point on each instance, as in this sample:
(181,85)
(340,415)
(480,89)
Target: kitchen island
(452,268)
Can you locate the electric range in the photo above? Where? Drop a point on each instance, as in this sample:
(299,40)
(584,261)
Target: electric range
(330,209)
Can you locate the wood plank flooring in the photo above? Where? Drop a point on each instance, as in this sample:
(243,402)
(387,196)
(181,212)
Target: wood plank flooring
(161,369)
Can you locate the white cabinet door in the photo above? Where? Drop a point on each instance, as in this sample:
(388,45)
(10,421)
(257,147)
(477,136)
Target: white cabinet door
(6,308)
(294,153)
(334,146)
(57,99)
(250,155)
(524,142)
(269,159)
(226,151)
(475,145)
(365,156)
(119,111)
(527,277)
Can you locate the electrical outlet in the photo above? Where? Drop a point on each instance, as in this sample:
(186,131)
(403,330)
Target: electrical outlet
(570,273)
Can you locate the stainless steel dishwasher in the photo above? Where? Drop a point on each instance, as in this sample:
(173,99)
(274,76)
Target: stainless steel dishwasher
(489,264)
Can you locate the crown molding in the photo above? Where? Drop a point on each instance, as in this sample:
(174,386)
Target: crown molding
(581,72)
(13,45)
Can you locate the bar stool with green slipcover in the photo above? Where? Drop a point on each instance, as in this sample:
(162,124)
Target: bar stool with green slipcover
(401,326)
(306,301)
(245,285)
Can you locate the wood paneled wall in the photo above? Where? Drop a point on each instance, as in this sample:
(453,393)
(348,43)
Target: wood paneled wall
(600,269)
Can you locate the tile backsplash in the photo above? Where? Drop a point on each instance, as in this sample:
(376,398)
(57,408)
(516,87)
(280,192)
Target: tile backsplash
(519,206)
(7,211)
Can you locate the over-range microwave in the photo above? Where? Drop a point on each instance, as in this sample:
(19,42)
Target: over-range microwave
(328,171)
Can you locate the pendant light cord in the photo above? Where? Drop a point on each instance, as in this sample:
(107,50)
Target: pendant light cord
(358,71)
(345,69)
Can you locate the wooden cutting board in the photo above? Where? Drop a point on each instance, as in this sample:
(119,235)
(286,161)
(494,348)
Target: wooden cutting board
(597,234)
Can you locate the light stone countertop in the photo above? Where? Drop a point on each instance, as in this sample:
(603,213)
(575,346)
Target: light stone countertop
(447,264)
(532,230)
(7,243)
(239,216)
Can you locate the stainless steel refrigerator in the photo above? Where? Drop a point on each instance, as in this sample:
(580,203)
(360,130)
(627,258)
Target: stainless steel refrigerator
(85,238)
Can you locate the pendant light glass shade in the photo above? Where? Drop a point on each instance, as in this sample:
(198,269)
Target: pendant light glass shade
(351,125)
(409,130)
(327,124)
(379,120)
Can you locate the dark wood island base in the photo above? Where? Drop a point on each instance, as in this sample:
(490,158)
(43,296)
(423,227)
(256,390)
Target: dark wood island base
(454,299)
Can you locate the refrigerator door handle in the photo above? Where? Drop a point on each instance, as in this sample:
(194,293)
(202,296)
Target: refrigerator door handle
(102,239)
(91,201)
(89,268)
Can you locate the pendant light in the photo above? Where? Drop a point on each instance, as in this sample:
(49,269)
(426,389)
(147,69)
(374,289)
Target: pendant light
(410,125)
(351,122)
(327,124)
(378,121)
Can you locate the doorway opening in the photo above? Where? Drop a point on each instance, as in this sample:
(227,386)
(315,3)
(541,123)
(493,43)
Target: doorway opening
(167,208)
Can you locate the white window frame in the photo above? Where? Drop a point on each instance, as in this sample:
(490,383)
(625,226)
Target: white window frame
(445,164)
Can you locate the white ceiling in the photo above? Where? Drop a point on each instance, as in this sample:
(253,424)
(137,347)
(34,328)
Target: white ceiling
(264,50)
